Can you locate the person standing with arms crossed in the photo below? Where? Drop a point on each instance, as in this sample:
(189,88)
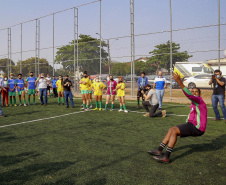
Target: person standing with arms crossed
(43,88)
(160,85)
(31,87)
(218,94)
(20,88)
(141,82)
(111,86)
(67,91)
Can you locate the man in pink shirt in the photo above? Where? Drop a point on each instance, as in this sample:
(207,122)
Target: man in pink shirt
(195,124)
(111,86)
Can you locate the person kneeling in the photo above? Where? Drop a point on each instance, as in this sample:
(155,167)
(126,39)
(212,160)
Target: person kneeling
(195,126)
(151,100)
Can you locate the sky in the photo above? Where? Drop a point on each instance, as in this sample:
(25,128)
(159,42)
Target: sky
(152,23)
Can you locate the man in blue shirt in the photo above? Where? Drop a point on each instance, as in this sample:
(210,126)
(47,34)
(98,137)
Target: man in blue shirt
(31,87)
(12,89)
(54,86)
(141,82)
(160,85)
(20,88)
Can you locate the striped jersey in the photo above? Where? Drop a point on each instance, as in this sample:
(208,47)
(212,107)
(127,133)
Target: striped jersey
(198,112)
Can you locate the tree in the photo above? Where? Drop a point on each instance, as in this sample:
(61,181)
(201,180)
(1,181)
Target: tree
(120,69)
(4,65)
(162,55)
(88,54)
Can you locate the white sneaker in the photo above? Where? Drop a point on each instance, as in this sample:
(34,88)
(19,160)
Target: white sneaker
(87,109)
(82,108)
(120,110)
(126,111)
(20,104)
(25,105)
(91,106)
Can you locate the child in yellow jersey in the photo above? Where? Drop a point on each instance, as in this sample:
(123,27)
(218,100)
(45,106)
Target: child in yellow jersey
(85,84)
(60,89)
(90,93)
(120,88)
(98,87)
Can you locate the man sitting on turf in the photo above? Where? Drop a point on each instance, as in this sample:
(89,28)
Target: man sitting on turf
(195,124)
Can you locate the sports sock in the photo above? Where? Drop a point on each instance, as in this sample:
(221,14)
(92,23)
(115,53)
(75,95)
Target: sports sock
(14,100)
(96,104)
(124,106)
(20,101)
(87,106)
(58,99)
(11,101)
(168,152)
(100,104)
(24,102)
(91,103)
(63,99)
(161,147)
(138,101)
(29,99)
(33,100)
(84,106)
(112,106)
(106,105)
(120,107)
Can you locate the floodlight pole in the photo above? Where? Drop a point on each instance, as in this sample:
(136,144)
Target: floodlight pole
(37,46)
(100,39)
(171,50)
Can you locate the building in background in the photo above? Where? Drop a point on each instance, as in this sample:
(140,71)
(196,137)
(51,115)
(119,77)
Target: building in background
(214,64)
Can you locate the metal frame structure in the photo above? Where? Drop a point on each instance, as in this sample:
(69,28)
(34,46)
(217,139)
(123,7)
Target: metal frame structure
(9,62)
(37,46)
(100,41)
(76,37)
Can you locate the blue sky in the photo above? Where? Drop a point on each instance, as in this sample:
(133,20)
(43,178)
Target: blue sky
(150,16)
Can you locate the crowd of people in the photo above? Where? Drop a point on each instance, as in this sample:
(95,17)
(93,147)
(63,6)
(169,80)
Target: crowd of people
(152,97)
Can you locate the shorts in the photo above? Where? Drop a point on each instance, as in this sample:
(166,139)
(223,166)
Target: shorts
(59,91)
(111,94)
(31,91)
(12,93)
(48,88)
(20,92)
(84,91)
(139,94)
(188,129)
(90,92)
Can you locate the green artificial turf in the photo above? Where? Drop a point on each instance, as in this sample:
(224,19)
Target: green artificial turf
(104,147)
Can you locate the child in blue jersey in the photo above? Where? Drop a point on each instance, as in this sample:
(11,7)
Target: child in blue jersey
(12,89)
(20,88)
(31,87)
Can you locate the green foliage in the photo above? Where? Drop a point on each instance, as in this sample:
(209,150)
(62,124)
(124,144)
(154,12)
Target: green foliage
(120,69)
(88,54)
(4,65)
(162,54)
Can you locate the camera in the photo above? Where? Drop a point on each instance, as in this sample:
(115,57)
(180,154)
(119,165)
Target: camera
(213,76)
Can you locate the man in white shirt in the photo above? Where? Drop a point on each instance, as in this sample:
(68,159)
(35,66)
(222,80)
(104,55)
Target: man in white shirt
(42,88)
(1,89)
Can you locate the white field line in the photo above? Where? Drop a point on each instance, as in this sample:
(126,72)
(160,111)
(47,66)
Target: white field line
(14,124)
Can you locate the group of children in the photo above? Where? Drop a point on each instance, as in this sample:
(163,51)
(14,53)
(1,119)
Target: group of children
(96,87)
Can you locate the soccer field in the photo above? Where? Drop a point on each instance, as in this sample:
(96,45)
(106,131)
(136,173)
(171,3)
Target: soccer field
(55,145)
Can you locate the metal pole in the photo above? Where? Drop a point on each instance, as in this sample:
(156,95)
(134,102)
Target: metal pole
(219,36)
(53,45)
(74,41)
(21,47)
(77,54)
(109,59)
(38,46)
(171,50)
(36,25)
(10,52)
(100,39)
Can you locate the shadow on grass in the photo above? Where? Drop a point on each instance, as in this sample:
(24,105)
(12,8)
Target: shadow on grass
(23,113)
(5,137)
(215,145)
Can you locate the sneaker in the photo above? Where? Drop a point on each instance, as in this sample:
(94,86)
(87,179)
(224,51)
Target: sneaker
(215,119)
(91,106)
(162,159)
(100,109)
(45,104)
(155,152)
(11,105)
(95,109)
(120,110)
(87,109)
(81,105)
(15,105)
(147,114)
(62,103)
(126,111)
(25,105)
(138,106)
(104,109)
(67,106)
(20,105)
(28,104)
(163,113)
(2,115)
(33,103)
(159,108)
(111,109)
(82,108)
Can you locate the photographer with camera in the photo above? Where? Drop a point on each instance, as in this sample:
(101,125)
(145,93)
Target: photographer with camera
(218,94)
(141,82)
(151,100)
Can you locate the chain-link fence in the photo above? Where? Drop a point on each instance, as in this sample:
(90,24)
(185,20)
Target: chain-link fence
(123,38)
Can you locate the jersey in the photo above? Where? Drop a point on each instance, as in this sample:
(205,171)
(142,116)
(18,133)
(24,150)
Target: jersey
(98,87)
(54,83)
(87,85)
(160,83)
(111,87)
(20,83)
(59,85)
(121,90)
(90,89)
(198,112)
(31,82)
(141,82)
(11,83)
